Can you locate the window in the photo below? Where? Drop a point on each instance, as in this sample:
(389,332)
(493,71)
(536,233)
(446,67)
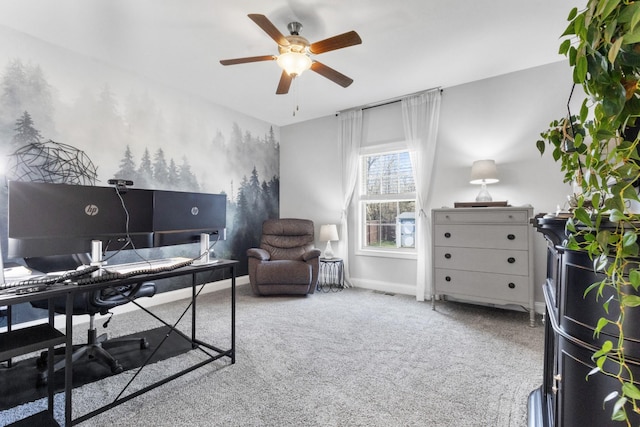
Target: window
(387,202)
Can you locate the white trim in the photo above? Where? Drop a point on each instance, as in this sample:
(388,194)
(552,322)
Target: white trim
(384,148)
(389,253)
(396,288)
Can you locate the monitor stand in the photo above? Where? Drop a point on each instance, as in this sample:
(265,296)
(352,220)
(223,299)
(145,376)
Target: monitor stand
(96,257)
(205,254)
(2,280)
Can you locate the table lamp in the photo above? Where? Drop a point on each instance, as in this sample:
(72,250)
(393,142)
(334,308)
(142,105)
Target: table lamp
(484,172)
(328,232)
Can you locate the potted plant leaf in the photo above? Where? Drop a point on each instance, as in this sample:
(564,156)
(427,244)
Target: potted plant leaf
(598,151)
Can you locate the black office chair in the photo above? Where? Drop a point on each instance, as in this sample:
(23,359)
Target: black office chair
(91,303)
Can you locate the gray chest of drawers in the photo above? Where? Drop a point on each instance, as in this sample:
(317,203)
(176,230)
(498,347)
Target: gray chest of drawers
(484,255)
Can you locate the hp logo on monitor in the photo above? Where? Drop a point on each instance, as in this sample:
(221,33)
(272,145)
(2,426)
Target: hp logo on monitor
(195,211)
(91,210)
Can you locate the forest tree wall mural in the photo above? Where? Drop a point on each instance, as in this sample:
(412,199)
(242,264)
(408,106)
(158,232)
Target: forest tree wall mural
(68,119)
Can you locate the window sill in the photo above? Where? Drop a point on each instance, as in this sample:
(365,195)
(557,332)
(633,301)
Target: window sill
(401,254)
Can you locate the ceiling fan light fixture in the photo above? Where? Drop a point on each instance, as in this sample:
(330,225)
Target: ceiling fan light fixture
(294,63)
(295,53)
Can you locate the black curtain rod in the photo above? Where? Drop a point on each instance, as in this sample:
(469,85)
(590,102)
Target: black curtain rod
(381,105)
(384,103)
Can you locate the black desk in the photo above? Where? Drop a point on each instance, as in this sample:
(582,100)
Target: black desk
(22,341)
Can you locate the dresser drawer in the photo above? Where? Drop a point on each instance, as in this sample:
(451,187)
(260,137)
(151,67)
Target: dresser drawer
(481,216)
(484,260)
(489,287)
(486,236)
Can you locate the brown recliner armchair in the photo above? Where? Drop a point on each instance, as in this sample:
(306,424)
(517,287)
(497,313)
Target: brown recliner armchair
(287,261)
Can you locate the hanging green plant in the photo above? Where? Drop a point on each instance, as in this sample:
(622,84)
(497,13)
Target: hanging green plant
(598,151)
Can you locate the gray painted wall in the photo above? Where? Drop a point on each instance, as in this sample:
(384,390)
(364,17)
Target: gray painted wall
(499,118)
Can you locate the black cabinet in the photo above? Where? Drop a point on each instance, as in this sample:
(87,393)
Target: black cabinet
(566,397)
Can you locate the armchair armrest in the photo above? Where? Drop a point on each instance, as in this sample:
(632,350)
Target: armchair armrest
(259,254)
(310,254)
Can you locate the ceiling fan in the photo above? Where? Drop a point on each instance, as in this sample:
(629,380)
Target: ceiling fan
(294,53)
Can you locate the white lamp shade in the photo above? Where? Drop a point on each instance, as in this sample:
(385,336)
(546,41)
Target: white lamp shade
(484,172)
(328,232)
(294,63)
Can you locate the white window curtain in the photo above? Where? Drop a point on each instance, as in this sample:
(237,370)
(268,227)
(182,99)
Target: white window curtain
(420,114)
(350,141)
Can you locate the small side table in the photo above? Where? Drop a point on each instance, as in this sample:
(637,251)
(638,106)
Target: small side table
(331,275)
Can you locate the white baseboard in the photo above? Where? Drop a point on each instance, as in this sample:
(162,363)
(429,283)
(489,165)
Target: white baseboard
(394,288)
(399,288)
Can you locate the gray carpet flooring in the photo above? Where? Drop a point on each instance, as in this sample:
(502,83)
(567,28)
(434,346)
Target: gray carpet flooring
(350,358)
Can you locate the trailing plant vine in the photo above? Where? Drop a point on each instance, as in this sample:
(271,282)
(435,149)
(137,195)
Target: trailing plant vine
(598,151)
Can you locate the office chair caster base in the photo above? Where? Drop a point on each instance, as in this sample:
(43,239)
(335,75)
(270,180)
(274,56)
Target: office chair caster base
(116,368)
(42,379)
(41,362)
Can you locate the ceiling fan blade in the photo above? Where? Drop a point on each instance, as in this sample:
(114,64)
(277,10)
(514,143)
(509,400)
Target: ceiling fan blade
(284,84)
(336,42)
(247,59)
(331,74)
(266,25)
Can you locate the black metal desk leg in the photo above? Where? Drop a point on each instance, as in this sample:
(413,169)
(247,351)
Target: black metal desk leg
(50,362)
(68,361)
(233,314)
(193,311)
(9,314)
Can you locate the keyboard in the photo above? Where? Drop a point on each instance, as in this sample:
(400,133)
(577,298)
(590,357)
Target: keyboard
(122,271)
(152,265)
(83,276)
(41,282)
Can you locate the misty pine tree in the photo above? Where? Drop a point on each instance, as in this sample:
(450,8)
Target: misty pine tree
(270,197)
(145,170)
(273,205)
(24,88)
(174,175)
(160,169)
(15,79)
(254,196)
(26,133)
(127,167)
(242,237)
(187,181)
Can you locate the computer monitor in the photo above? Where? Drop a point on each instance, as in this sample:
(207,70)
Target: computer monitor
(180,217)
(56,219)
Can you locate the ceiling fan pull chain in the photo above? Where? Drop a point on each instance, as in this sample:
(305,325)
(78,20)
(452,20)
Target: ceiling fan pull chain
(296,103)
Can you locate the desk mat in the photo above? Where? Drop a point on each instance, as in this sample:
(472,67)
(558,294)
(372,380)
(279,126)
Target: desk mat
(18,384)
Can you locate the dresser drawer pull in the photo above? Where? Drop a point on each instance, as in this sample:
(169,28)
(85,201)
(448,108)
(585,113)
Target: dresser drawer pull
(511,260)
(447,256)
(447,234)
(448,278)
(512,285)
(511,236)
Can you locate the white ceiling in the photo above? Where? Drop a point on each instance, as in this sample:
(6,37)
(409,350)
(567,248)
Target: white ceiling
(408,45)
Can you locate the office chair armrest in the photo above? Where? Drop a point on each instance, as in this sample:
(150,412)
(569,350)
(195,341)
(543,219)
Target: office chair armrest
(311,254)
(259,254)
